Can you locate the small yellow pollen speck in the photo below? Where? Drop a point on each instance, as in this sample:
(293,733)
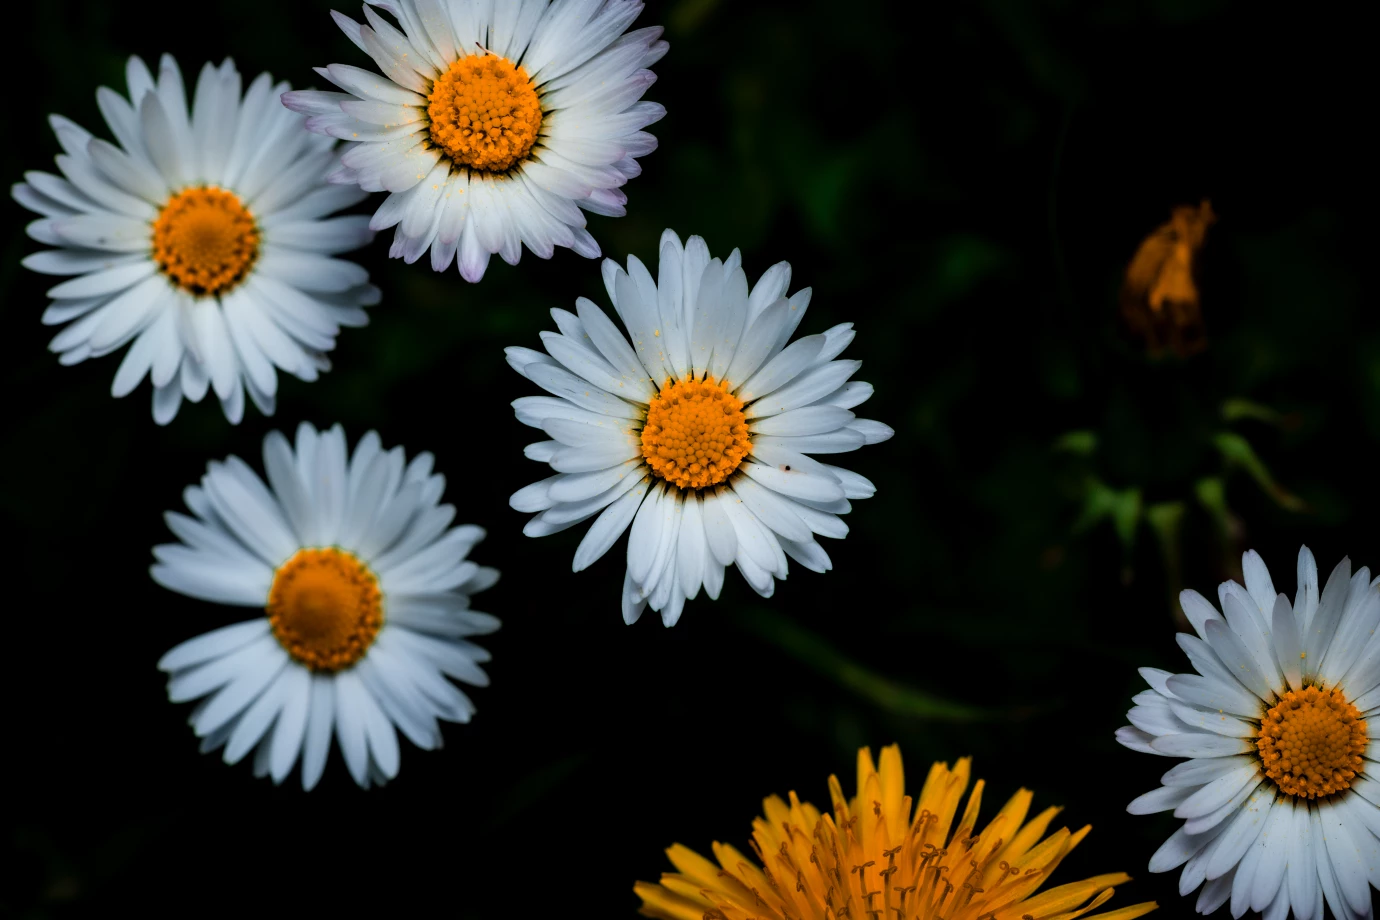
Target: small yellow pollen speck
(1303,654)
(656,332)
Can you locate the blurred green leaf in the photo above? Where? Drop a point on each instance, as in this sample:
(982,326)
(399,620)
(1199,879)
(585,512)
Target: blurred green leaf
(961,263)
(828,192)
(1122,506)
(1080,443)
(1238,409)
(531,789)
(823,658)
(1212,495)
(1166,522)
(1237,452)
(688,15)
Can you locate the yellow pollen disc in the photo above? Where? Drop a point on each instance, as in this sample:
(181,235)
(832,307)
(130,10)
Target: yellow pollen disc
(696,434)
(484,112)
(325,608)
(1311,743)
(205,240)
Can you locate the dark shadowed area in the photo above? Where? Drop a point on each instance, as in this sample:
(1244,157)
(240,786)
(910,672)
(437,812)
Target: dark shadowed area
(967,185)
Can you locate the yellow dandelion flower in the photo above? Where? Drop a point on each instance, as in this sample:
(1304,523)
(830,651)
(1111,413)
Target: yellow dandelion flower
(871,859)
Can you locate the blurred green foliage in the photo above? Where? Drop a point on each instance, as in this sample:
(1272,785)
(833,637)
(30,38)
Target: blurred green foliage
(965,183)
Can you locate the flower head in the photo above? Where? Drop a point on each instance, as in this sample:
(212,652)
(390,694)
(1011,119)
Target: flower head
(695,429)
(201,238)
(882,854)
(365,589)
(492,127)
(1280,805)
(1159,297)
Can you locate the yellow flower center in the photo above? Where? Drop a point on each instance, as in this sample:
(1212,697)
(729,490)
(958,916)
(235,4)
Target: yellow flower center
(696,434)
(1311,743)
(325,608)
(484,112)
(205,240)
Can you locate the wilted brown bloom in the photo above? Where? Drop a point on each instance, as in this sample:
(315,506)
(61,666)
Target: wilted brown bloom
(1159,299)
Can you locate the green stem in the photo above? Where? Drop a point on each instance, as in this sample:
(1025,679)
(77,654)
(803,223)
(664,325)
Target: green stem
(821,657)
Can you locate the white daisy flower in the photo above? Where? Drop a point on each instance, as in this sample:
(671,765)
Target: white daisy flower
(493,124)
(366,593)
(202,237)
(697,433)
(1280,803)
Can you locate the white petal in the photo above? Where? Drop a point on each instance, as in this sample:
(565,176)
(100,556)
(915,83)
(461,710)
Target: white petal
(1202,770)
(718,529)
(607,528)
(258,719)
(1306,597)
(320,720)
(1274,847)
(1198,610)
(289,732)
(1285,635)
(1164,798)
(1249,624)
(1345,859)
(1302,868)
(806,420)
(1193,744)
(1214,721)
(214,644)
(1215,794)
(1180,847)
(1258,582)
(798,357)
(1229,810)
(1240,661)
(796,483)
(351,700)
(771,509)
(1357,627)
(232,699)
(1321,629)
(692,547)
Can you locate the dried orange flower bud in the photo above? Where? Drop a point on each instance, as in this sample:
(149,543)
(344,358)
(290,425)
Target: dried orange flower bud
(1159,298)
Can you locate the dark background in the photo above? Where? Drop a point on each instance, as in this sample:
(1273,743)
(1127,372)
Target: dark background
(967,186)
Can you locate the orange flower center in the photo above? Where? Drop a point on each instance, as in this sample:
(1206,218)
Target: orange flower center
(1311,743)
(696,434)
(484,112)
(205,240)
(325,608)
